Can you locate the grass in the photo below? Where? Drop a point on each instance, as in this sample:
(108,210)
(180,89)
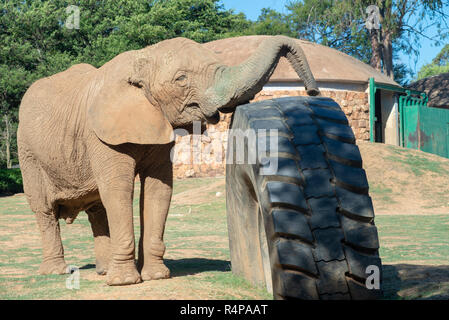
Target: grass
(415,162)
(414,251)
(197,254)
(383,193)
(415,254)
(406,180)
(414,238)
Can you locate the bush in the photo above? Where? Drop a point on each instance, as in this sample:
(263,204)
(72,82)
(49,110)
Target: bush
(10,181)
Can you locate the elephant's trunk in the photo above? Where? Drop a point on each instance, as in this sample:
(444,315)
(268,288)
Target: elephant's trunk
(239,84)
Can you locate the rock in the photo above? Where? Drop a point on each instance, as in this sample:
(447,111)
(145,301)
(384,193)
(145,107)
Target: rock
(189,173)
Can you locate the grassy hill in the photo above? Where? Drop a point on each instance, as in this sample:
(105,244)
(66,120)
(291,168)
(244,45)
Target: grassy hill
(405,181)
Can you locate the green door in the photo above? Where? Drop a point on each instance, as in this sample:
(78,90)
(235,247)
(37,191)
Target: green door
(409,122)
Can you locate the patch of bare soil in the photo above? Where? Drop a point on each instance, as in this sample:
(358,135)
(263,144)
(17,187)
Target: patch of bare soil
(406,181)
(199,195)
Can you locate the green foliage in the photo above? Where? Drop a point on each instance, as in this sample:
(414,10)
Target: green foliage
(337,24)
(201,21)
(429,70)
(10,181)
(271,22)
(442,58)
(440,64)
(401,73)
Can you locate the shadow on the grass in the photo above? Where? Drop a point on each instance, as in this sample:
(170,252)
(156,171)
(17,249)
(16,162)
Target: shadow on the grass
(416,281)
(190,266)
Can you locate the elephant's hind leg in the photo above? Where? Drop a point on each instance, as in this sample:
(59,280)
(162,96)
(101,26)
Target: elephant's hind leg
(37,190)
(53,252)
(100,229)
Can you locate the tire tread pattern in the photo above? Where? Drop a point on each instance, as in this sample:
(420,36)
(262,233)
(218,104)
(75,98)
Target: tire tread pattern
(324,229)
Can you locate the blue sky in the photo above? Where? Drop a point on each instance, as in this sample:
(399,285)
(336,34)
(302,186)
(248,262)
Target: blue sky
(252,8)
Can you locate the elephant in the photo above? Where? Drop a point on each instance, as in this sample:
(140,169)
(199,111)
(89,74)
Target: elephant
(86,133)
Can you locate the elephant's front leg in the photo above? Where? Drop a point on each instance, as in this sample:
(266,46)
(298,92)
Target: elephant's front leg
(156,192)
(115,173)
(116,195)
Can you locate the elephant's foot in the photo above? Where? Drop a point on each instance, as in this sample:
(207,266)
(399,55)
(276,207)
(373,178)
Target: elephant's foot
(123,274)
(57,266)
(101,267)
(103,259)
(155,271)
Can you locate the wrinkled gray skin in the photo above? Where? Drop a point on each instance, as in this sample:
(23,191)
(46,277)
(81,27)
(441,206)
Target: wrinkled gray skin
(85,133)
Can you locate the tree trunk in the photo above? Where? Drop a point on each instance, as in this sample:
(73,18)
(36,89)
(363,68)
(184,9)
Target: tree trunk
(382,52)
(382,43)
(8,142)
(376,49)
(387,53)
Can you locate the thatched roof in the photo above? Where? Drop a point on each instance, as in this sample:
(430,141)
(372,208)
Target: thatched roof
(436,88)
(327,64)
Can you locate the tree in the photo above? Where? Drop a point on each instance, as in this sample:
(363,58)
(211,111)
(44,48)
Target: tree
(271,22)
(342,24)
(440,64)
(331,23)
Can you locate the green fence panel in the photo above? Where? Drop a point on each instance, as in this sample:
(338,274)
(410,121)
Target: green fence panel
(434,130)
(422,127)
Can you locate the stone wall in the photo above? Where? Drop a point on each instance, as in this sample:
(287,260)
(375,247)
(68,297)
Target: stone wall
(203,156)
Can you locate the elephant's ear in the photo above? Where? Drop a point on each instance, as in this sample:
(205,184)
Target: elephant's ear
(121,113)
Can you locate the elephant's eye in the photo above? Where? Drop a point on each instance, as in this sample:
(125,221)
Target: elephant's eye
(181,79)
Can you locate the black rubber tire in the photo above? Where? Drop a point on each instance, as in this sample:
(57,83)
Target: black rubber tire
(307,231)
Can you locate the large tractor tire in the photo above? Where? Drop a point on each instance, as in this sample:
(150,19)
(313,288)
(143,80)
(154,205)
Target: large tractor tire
(306,230)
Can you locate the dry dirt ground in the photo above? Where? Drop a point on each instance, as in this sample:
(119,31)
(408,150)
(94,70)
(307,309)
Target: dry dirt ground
(410,194)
